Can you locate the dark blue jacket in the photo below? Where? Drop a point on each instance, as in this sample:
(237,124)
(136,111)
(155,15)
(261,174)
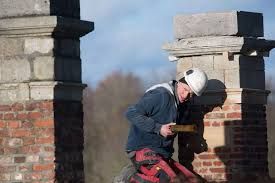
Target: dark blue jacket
(157,107)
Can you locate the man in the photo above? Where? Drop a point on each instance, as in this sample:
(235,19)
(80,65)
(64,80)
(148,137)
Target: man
(150,140)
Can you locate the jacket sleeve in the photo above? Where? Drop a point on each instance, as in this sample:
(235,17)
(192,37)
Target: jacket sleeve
(139,114)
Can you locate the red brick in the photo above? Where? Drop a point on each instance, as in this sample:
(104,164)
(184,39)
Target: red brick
(22,116)
(4,133)
(206,123)
(234,115)
(34,115)
(216,124)
(207,163)
(32,106)
(30,149)
(45,123)
(207,156)
(44,132)
(214,116)
(218,163)
(203,170)
(236,107)
(5,108)
(218,170)
(9,116)
(2,124)
(20,133)
(197,164)
(226,107)
(46,105)
(13,124)
(17,107)
(21,159)
(46,140)
(42,167)
(28,141)
(33,176)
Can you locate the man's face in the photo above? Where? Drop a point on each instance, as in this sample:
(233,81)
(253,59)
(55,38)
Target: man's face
(184,92)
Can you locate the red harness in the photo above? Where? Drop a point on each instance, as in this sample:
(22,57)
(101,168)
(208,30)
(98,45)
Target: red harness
(152,168)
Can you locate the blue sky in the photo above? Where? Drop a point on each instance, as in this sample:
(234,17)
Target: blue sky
(128,34)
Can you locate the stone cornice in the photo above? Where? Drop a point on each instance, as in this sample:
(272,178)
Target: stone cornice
(44,26)
(219,45)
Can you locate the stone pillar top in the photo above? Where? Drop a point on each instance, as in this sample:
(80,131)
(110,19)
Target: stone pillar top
(232,32)
(232,23)
(20,8)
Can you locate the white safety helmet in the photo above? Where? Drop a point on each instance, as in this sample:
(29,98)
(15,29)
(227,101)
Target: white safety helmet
(196,79)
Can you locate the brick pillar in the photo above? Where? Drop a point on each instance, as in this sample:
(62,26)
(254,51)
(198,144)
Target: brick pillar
(231,113)
(41,125)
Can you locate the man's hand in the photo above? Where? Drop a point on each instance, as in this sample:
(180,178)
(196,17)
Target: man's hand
(166,130)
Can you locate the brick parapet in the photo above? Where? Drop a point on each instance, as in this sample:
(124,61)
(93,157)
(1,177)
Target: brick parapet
(237,139)
(40,141)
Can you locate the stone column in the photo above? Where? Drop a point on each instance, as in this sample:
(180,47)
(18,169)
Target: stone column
(232,111)
(41,116)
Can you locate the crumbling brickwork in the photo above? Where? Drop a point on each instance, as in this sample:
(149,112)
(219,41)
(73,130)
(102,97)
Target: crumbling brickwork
(27,141)
(244,152)
(41,141)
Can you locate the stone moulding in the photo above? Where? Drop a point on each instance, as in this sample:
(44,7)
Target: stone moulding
(41,91)
(44,26)
(219,45)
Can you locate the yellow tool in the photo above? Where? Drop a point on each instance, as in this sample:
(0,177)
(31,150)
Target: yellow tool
(184,128)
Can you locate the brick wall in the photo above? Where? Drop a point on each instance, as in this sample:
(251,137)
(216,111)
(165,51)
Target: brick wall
(41,141)
(237,138)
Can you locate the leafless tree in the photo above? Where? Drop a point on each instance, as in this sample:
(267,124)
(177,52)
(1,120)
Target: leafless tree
(106,128)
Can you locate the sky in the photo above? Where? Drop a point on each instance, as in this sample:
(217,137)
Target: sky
(129,34)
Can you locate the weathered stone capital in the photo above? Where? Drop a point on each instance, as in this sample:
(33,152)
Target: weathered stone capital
(44,26)
(219,45)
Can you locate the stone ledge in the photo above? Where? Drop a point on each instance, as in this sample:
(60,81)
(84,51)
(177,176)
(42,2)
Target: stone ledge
(219,45)
(232,96)
(230,23)
(56,90)
(16,92)
(44,26)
